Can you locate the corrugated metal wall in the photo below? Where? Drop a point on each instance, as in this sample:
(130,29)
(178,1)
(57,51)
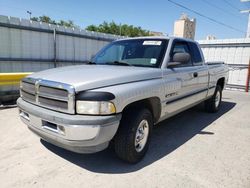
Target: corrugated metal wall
(33,44)
(235,53)
(28,46)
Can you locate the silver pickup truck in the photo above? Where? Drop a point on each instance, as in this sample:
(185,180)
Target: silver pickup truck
(127,88)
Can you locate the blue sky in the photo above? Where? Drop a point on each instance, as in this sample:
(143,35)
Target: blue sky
(155,15)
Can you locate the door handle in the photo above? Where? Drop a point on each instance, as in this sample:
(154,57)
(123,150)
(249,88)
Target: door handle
(195,74)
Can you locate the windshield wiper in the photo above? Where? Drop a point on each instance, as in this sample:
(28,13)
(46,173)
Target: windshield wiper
(119,63)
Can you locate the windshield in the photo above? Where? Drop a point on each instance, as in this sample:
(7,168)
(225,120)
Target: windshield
(135,52)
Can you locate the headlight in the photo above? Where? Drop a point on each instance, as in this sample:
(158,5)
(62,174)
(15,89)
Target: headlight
(95,107)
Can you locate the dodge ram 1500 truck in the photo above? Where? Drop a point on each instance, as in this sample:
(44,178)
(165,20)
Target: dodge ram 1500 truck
(127,88)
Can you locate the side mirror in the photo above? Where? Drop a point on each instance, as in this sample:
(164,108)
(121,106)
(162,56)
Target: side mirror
(179,58)
(173,64)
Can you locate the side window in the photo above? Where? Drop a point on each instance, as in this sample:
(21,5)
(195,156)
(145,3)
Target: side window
(181,47)
(196,55)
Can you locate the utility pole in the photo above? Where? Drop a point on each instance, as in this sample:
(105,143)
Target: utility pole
(248,12)
(29,12)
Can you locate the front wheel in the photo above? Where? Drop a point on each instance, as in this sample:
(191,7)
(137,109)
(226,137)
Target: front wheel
(213,104)
(132,139)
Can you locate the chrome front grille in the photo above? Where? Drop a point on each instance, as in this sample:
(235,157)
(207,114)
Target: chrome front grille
(28,96)
(28,87)
(52,91)
(52,95)
(53,103)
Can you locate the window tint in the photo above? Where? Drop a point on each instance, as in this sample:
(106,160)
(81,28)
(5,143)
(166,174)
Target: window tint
(196,55)
(181,47)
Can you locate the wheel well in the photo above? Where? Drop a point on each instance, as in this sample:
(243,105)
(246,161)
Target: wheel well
(153,104)
(221,82)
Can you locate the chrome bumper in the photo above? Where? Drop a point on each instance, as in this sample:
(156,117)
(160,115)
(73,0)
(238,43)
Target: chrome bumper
(78,133)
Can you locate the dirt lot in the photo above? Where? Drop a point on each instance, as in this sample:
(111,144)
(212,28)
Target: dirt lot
(193,149)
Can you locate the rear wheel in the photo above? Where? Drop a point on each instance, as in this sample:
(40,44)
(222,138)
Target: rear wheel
(213,104)
(132,139)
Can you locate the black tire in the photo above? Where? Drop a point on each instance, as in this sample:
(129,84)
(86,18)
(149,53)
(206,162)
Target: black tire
(210,104)
(124,141)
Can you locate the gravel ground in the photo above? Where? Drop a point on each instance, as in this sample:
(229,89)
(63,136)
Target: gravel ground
(192,149)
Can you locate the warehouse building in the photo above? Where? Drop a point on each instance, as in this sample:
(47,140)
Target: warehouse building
(235,53)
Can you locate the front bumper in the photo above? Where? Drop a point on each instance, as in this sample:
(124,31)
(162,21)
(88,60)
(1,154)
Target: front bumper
(78,133)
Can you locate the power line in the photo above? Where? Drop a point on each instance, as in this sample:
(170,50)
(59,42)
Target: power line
(208,18)
(231,5)
(221,9)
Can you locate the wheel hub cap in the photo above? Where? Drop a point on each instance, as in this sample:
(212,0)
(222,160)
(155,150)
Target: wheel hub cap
(141,136)
(217,99)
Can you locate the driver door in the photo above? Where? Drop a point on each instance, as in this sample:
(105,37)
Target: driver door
(180,81)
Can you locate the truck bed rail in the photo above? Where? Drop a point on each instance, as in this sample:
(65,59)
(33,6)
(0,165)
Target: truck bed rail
(215,62)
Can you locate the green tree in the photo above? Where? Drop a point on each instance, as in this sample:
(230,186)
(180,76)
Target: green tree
(69,23)
(47,19)
(35,19)
(118,29)
(92,28)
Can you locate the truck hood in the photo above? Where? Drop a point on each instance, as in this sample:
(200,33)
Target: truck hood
(85,77)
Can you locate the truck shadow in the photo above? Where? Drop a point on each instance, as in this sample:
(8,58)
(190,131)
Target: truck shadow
(166,138)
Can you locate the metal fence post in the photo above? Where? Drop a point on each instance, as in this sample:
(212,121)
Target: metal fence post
(248,77)
(54,43)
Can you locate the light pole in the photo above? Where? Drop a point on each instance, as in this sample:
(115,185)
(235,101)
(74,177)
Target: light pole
(248,25)
(29,12)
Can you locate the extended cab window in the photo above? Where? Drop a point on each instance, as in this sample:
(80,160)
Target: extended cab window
(196,55)
(181,47)
(137,52)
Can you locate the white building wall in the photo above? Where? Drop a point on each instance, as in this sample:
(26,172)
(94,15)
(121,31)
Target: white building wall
(235,52)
